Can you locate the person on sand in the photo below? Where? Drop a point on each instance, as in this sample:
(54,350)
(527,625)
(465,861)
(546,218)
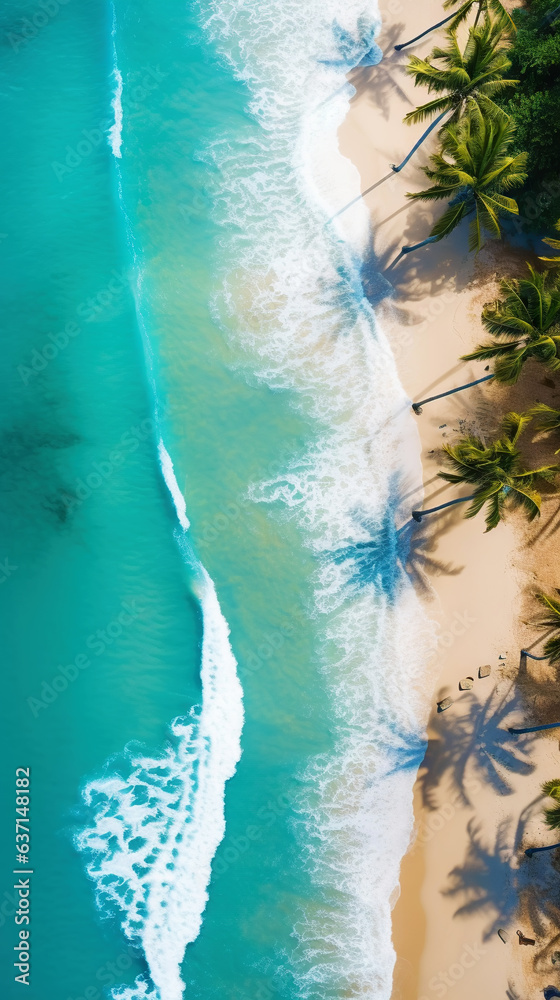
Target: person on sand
(550,992)
(523,939)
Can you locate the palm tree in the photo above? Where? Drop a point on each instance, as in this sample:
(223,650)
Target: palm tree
(471,172)
(551,816)
(477,74)
(462,13)
(497,472)
(526,324)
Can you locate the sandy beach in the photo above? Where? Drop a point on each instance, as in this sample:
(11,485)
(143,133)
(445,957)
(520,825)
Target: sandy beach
(477,797)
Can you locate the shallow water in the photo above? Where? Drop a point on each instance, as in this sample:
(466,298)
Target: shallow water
(212,641)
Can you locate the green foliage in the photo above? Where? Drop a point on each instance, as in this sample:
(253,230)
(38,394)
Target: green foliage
(525,323)
(545,418)
(473,171)
(552,816)
(477,73)
(535,108)
(464,8)
(498,473)
(548,621)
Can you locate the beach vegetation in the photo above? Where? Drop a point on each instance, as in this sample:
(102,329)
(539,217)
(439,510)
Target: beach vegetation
(549,621)
(477,73)
(534,106)
(474,171)
(498,473)
(525,323)
(552,814)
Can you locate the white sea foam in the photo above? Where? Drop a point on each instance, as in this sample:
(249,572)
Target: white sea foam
(115,132)
(173,486)
(293,297)
(156,829)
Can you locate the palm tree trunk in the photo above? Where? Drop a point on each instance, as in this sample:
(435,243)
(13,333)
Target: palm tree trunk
(417,246)
(417,407)
(525,652)
(403,45)
(534,850)
(419,143)
(534,729)
(419,514)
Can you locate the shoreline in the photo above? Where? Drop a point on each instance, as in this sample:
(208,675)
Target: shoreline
(477,794)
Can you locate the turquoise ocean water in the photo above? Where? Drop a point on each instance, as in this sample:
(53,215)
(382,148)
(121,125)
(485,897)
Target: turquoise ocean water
(210,643)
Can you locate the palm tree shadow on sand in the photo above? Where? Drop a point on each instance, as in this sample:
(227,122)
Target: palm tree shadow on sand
(477,748)
(417,545)
(383,79)
(498,879)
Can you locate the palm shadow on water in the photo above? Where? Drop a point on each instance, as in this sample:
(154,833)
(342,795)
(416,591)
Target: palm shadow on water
(497,879)
(355,50)
(388,557)
(476,749)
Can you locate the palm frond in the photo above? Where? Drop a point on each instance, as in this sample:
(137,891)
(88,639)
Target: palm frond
(552,817)
(551,788)
(513,425)
(449,220)
(546,417)
(552,650)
